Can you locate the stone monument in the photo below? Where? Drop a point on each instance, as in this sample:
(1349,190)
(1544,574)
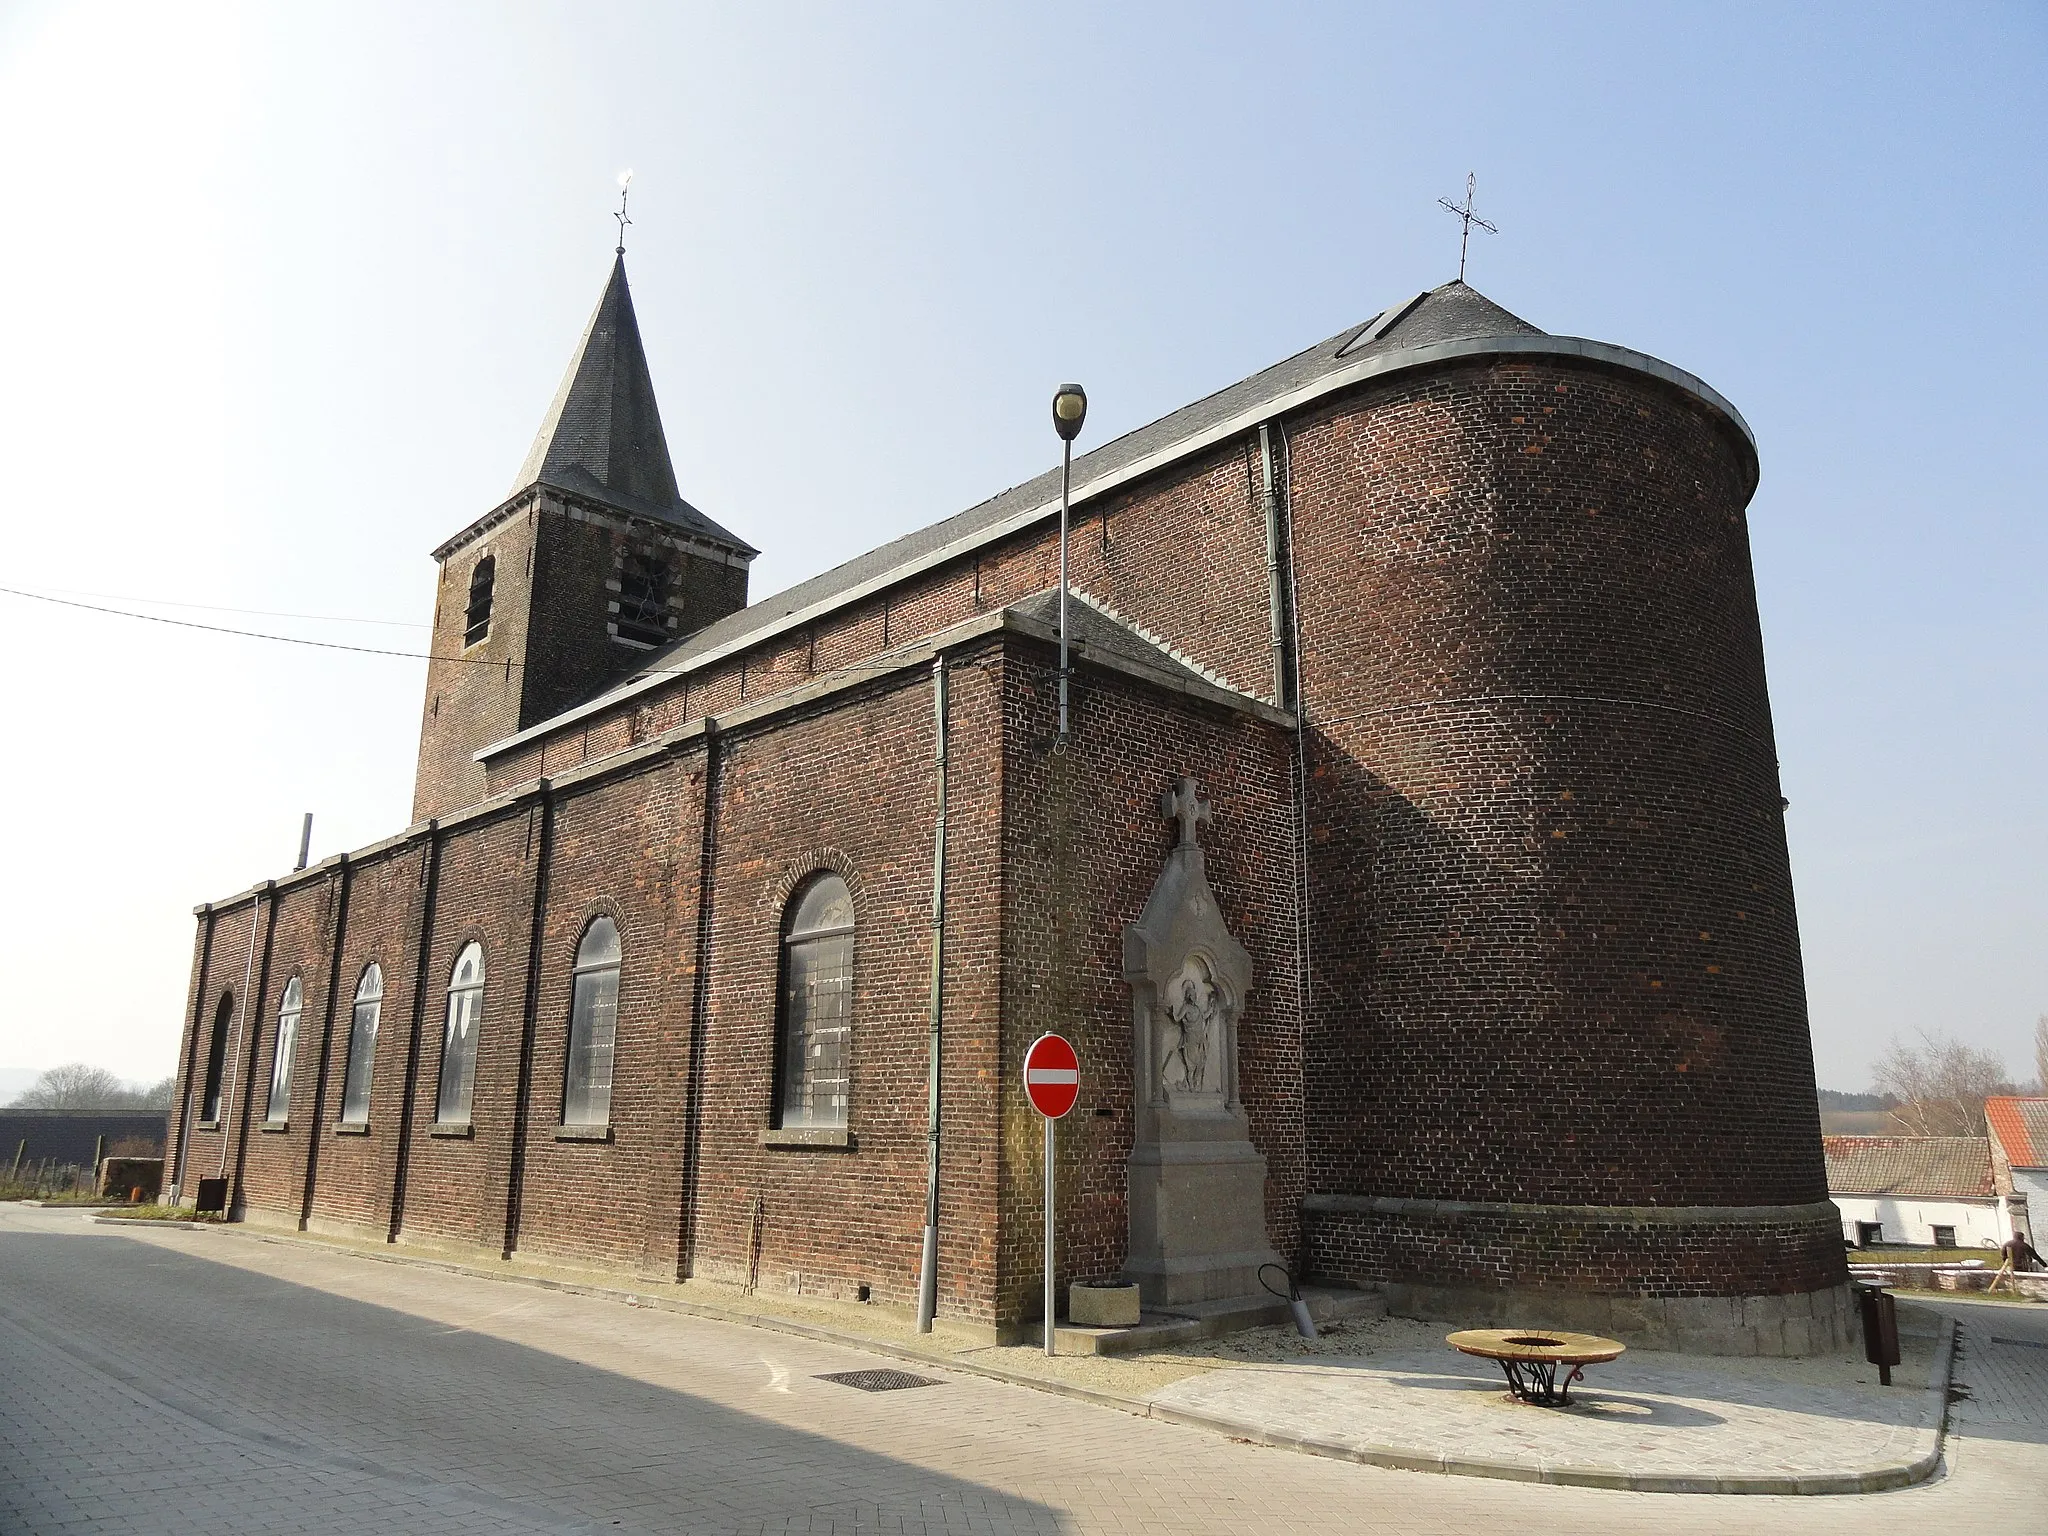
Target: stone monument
(1197,1184)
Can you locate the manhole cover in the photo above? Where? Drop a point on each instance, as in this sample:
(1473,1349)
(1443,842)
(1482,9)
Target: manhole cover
(878,1381)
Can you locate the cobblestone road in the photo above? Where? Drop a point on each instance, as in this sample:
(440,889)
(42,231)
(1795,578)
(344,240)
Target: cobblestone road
(185,1381)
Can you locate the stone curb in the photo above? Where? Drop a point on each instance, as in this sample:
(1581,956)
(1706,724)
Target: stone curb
(154,1221)
(1902,1474)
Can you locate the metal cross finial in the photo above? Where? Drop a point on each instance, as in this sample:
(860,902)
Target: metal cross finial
(625,186)
(1469,217)
(1184,804)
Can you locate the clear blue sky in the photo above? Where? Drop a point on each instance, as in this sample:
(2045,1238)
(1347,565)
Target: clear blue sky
(286,291)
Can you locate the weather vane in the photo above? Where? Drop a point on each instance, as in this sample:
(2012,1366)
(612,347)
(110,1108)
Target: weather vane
(1469,217)
(625,186)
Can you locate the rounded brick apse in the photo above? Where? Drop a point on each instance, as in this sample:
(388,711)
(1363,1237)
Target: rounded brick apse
(1557,1064)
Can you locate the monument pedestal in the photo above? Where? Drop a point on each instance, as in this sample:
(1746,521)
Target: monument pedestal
(1197,1185)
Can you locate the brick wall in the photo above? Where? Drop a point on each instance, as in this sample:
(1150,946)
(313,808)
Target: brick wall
(1083,845)
(1552,954)
(555,601)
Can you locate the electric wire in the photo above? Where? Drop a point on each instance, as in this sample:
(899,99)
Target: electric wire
(252,634)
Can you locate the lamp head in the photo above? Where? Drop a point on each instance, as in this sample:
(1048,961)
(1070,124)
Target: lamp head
(1069,410)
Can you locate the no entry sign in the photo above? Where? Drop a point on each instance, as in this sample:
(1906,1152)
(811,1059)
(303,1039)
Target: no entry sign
(1052,1076)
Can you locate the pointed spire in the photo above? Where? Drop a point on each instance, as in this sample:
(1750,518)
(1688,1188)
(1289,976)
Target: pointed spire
(602,435)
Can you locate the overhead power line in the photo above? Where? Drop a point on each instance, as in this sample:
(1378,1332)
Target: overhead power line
(252,634)
(260,613)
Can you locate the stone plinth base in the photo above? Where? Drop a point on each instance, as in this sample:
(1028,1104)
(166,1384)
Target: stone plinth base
(1807,1323)
(1198,1221)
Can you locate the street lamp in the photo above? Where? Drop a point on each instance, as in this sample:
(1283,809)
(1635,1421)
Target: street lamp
(1069,411)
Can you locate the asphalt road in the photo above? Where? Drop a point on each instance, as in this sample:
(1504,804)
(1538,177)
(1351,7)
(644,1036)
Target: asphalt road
(203,1381)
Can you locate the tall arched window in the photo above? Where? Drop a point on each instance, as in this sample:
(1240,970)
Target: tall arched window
(362,1048)
(216,1059)
(458,1043)
(816,1005)
(476,619)
(287,1047)
(593,1025)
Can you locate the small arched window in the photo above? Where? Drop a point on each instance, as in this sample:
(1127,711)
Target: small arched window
(362,1048)
(287,1047)
(216,1059)
(812,1061)
(458,1043)
(593,1026)
(476,620)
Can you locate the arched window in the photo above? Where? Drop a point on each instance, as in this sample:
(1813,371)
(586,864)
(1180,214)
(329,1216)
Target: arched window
(362,1048)
(458,1044)
(287,1047)
(816,1005)
(476,620)
(593,1024)
(216,1059)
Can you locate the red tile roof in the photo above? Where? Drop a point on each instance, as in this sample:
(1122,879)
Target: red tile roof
(2020,1126)
(1958,1167)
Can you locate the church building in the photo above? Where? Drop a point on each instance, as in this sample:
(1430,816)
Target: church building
(1406,863)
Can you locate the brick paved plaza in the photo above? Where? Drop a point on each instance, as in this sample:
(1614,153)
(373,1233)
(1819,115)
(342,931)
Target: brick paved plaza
(183,1381)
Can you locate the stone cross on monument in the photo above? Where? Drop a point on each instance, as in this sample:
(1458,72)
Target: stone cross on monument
(1184,804)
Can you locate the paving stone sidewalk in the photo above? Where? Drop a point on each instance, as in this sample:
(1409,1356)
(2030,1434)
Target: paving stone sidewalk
(1649,1422)
(1642,1422)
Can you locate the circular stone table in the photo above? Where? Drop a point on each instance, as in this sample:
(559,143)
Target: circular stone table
(1530,1357)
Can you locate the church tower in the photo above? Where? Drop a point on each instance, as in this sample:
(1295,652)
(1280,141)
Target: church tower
(593,561)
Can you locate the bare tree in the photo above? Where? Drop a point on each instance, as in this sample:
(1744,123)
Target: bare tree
(89,1090)
(2041,1054)
(1941,1085)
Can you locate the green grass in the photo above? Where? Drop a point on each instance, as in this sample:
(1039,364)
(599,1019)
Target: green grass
(1989,1257)
(162,1213)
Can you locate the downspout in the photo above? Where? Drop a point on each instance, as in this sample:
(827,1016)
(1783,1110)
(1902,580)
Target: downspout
(422,973)
(248,1066)
(515,1171)
(199,991)
(227,1113)
(344,880)
(700,1016)
(928,1274)
(1273,593)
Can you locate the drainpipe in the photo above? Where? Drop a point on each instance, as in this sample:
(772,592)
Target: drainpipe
(1272,497)
(928,1273)
(227,1114)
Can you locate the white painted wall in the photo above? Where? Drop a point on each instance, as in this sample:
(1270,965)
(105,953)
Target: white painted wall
(1910,1220)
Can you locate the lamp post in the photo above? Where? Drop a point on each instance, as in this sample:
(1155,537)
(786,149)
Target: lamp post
(1069,411)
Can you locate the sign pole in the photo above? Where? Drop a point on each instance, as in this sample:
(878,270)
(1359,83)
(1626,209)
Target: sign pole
(1049,1308)
(1052,1082)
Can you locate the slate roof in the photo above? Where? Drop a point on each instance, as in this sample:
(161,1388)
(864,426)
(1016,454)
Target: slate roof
(2020,1127)
(602,435)
(1934,1167)
(1097,633)
(1439,315)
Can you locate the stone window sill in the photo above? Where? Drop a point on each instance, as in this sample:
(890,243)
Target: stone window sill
(455,1128)
(834,1138)
(207,1125)
(583,1133)
(352,1128)
(274,1126)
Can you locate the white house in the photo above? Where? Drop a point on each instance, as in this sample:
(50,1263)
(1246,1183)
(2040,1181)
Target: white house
(2019,1154)
(1917,1191)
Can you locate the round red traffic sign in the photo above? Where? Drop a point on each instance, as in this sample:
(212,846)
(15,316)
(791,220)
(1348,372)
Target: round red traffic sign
(1052,1076)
